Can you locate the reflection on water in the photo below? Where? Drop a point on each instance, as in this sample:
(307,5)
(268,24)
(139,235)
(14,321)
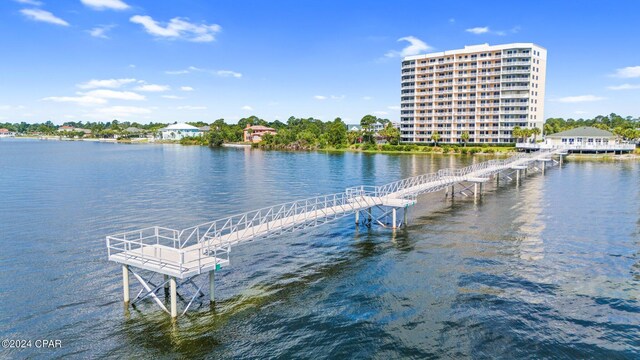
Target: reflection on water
(546,269)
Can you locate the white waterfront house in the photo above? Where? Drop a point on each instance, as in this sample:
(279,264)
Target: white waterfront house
(7,133)
(583,139)
(179,131)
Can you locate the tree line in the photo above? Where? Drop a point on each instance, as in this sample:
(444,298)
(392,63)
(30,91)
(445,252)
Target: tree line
(625,127)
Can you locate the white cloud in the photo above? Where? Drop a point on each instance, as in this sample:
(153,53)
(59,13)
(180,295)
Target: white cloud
(415,47)
(452,21)
(485,30)
(113,94)
(106,4)
(172,97)
(178,28)
(228,73)
(123,111)
(29,2)
(80,100)
(247,108)
(189,107)
(628,72)
(153,88)
(338,97)
(579,99)
(393,107)
(478,30)
(186,88)
(192,69)
(43,16)
(101,31)
(624,87)
(320,97)
(367,98)
(107,83)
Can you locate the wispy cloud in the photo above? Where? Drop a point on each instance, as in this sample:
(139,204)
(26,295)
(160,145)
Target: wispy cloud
(101,31)
(486,30)
(580,112)
(186,88)
(628,72)
(320,97)
(228,73)
(29,2)
(367,98)
(393,107)
(178,28)
(113,94)
(80,100)
(190,107)
(382,113)
(173,97)
(624,87)
(43,16)
(107,83)
(415,47)
(123,111)
(247,108)
(193,69)
(153,88)
(106,4)
(478,30)
(579,99)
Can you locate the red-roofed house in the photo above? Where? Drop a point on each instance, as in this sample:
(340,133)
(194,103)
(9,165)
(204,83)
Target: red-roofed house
(254,133)
(6,133)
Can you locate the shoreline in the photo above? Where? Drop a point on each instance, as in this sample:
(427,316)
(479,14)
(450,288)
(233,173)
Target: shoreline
(503,151)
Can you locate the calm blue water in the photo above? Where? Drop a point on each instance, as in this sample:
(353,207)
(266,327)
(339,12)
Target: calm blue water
(549,269)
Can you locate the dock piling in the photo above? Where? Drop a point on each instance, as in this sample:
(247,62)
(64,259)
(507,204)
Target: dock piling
(174,298)
(125,283)
(212,277)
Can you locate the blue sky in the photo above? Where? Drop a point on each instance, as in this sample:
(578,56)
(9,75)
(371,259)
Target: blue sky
(190,60)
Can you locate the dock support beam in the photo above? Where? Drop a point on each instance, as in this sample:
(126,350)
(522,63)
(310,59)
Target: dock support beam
(125,284)
(517,176)
(212,277)
(393,217)
(357,217)
(174,298)
(405,215)
(497,179)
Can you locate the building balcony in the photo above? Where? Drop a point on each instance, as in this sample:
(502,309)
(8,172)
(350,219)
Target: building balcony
(518,54)
(507,88)
(516,63)
(516,71)
(515,112)
(484,66)
(514,96)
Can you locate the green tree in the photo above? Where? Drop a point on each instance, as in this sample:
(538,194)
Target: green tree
(337,133)
(390,133)
(465,137)
(517,133)
(367,123)
(435,137)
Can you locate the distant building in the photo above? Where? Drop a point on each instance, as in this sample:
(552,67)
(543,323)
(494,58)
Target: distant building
(66,128)
(256,132)
(179,131)
(583,140)
(7,133)
(583,136)
(205,128)
(481,90)
(354,127)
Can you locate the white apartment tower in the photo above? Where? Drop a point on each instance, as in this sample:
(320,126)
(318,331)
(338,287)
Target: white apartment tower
(483,90)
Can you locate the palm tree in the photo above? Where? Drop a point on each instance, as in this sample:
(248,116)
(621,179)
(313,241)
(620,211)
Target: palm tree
(465,137)
(536,131)
(516,133)
(435,137)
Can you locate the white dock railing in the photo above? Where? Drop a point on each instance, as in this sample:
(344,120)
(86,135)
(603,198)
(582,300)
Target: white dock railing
(201,247)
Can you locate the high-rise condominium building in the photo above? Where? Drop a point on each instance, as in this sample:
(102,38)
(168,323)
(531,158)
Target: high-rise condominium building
(482,90)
